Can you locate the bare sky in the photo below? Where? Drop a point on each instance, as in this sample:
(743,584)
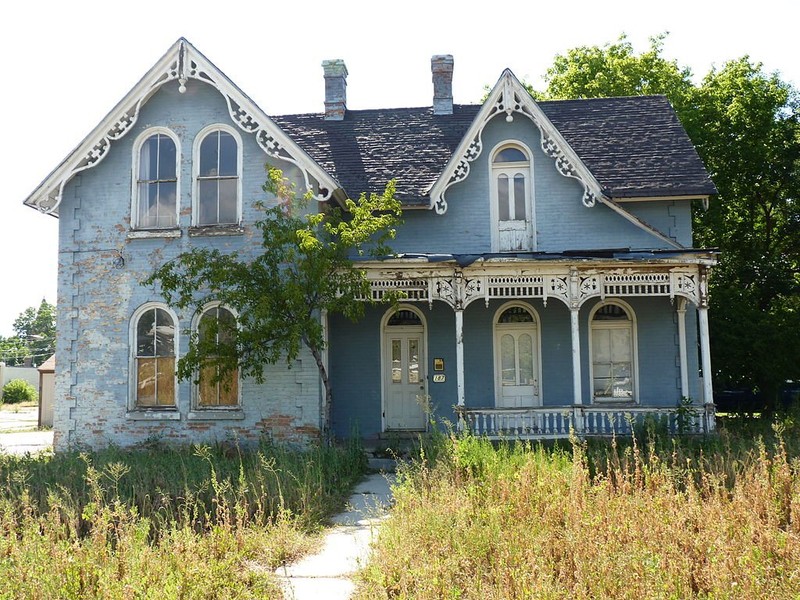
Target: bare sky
(67,64)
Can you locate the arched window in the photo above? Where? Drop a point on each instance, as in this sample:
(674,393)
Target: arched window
(154,359)
(215,327)
(516,348)
(217,170)
(613,346)
(155,204)
(512,195)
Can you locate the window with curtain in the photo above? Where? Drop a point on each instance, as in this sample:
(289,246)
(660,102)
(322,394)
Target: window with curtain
(613,360)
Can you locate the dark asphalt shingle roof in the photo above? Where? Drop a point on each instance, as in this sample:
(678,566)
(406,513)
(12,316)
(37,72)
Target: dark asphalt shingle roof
(634,146)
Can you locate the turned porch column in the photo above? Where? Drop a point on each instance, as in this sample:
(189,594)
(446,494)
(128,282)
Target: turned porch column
(576,355)
(460,355)
(705,354)
(682,347)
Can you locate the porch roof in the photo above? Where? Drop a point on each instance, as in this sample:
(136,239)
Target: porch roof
(694,255)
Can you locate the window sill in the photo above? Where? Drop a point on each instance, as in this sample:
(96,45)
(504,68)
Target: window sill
(138,234)
(214,230)
(216,414)
(615,401)
(153,415)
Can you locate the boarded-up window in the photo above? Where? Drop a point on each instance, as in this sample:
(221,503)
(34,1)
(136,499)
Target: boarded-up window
(217,388)
(155,359)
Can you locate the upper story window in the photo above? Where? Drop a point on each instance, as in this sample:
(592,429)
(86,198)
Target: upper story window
(512,205)
(218,174)
(613,350)
(154,332)
(155,197)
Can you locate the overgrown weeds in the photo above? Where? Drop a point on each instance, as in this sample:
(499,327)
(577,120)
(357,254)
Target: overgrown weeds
(649,517)
(169,523)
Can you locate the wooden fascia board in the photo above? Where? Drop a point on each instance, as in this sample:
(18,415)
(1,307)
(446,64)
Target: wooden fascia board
(641,224)
(622,200)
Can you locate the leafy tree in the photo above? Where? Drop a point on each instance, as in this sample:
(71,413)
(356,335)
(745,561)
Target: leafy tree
(37,328)
(616,70)
(304,269)
(13,351)
(747,129)
(744,123)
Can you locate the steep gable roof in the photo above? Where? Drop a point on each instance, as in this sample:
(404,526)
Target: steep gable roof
(632,146)
(181,63)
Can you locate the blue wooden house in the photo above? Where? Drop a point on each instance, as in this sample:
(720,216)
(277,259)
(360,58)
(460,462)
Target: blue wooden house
(546,263)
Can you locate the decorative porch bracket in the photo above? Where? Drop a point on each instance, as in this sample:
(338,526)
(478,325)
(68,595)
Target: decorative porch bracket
(573,285)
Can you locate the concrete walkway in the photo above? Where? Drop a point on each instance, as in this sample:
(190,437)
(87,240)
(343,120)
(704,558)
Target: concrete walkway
(18,433)
(327,574)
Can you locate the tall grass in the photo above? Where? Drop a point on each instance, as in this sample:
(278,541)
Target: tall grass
(653,517)
(169,523)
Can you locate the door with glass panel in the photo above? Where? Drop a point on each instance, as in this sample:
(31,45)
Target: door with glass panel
(404,372)
(511,202)
(517,359)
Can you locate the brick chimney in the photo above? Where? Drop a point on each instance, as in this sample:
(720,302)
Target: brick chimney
(442,69)
(335,89)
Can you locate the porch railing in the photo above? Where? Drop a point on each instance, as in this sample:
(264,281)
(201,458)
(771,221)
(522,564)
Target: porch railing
(557,422)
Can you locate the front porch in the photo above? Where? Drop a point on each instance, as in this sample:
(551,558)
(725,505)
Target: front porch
(558,422)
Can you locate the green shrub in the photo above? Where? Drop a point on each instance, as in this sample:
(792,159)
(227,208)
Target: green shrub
(19,390)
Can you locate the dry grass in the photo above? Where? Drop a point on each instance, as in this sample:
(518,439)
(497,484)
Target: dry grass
(671,519)
(164,523)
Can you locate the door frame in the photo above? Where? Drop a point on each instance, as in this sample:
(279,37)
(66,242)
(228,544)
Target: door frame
(386,360)
(530,200)
(536,328)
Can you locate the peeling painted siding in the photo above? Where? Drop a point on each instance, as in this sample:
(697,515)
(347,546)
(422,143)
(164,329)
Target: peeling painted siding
(97,297)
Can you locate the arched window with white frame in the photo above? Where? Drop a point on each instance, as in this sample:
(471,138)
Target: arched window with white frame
(217,168)
(154,333)
(612,330)
(215,327)
(512,198)
(155,194)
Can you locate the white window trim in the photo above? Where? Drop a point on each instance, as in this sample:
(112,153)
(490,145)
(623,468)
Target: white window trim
(137,151)
(198,140)
(537,325)
(136,412)
(634,351)
(198,412)
(386,360)
(529,188)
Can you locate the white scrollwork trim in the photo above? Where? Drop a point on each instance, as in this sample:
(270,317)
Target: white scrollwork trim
(565,167)
(182,68)
(512,98)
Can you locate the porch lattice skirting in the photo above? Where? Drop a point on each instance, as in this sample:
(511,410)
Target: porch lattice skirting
(561,422)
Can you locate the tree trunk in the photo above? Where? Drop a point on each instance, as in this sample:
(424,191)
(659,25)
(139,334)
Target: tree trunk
(326,410)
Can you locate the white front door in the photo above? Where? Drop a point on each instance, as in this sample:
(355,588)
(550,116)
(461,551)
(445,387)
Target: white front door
(517,366)
(404,379)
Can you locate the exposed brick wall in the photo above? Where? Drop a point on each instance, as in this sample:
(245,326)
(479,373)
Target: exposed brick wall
(97,298)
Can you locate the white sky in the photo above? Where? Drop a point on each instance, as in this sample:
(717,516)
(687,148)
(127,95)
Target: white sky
(66,64)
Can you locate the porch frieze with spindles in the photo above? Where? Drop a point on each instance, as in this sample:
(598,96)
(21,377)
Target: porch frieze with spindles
(572,285)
